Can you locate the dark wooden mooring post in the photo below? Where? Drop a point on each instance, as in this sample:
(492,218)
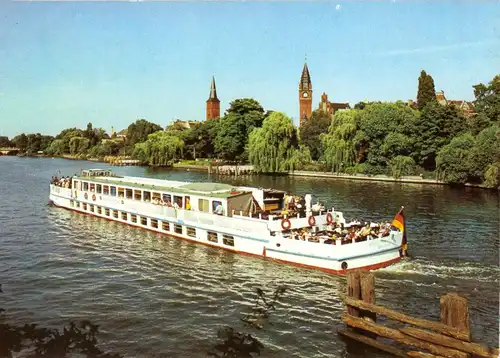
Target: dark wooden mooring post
(361,286)
(454,312)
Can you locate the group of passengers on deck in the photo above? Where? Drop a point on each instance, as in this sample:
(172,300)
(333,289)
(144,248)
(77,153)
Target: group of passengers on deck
(346,233)
(63,182)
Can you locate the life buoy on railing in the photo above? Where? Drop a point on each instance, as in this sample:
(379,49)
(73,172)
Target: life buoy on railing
(286,224)
(93,197)
(311,221)
(86,196)
(329,218)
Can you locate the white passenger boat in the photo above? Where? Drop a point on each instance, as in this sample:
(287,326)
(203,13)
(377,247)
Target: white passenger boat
(241,219)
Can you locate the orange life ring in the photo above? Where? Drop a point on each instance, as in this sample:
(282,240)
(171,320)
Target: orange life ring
(86,196)
(93,197)
(329,218)
(286,224)
(311,221)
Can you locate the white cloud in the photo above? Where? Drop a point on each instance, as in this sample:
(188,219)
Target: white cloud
(337,7)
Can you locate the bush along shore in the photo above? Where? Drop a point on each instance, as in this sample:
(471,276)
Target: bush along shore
(434,141)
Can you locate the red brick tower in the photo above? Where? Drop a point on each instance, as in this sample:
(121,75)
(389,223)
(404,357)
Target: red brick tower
(213,103)
(305,95)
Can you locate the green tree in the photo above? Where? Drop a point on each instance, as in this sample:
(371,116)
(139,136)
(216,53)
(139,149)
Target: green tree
(486,152)
(21,141)
(426,91)
(402,165)
(139,131)
(79,145)
(242,116)
(435,128)
(454,161)
(57,147)
(65,136)
(339,143)
(5,142)
(275,146)
(387,131)
(160,149)
(311,129)
(487,104)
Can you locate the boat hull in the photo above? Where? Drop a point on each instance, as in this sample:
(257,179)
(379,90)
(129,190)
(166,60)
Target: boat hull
(337,259)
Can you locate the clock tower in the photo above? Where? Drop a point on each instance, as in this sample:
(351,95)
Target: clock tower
(213,103)
(305,95)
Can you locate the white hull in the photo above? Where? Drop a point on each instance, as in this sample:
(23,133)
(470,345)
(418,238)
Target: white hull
(240,234)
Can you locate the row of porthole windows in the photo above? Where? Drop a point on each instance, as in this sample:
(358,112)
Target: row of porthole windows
(227,240)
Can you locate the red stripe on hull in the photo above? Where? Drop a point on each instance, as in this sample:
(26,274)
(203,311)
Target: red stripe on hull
(337,272)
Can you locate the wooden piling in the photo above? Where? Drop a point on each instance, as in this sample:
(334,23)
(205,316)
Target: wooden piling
(353,291)
(455,313)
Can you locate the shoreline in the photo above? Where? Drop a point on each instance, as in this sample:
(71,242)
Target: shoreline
(296,173)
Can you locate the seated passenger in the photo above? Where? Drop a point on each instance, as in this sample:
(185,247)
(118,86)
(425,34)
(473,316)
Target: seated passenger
(219,210)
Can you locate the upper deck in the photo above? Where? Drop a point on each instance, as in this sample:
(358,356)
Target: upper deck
(215,190)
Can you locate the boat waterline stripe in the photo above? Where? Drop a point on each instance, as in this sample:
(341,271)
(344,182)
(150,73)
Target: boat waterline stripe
(156,218)
(333,258)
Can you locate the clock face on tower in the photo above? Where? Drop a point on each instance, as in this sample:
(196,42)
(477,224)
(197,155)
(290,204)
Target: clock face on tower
(305,94)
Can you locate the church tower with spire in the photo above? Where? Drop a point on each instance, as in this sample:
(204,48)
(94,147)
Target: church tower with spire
(305,95)
(213,103)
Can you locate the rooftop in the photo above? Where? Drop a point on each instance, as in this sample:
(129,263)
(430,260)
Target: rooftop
(217,190)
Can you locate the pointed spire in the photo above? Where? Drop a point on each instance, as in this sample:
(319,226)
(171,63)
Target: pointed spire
(213,90)
(305,79)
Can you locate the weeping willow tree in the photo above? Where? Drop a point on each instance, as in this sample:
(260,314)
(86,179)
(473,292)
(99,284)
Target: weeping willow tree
(159,149)
(339,145)
(274,147)
(401,165)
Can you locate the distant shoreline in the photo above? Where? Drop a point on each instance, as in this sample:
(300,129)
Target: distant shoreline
(296,173)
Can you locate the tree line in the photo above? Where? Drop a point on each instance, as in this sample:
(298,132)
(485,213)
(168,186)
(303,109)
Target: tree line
(396,139)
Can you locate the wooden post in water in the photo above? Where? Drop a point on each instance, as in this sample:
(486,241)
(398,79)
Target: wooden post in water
(455,313)
(353,291)
(368,293)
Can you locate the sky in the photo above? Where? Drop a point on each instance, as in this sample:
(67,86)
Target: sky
(65,64)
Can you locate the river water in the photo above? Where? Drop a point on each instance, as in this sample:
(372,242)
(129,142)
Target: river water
(156,296)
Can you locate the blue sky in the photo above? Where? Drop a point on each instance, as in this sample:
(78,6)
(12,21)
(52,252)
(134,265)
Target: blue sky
(64,64)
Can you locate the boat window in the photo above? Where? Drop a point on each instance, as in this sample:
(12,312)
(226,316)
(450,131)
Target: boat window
(91,208)
(124,216)
(105,190)
(106,211)
(154,223)
(217,207)
(178,201)
(92,187)
(77,204)
(115,214)
(129,193)
(147,196)
(144,221)
(157,196)
(178,228)
(99,210)
(137,195)
(121,192)
(167,198)
(165,226)
(133,218)
(75,184)
(84,206)
(98,188)
(212,236)
(85,186)
(72,203)
(113,190)
(191,231)
(204,205)
(228,240)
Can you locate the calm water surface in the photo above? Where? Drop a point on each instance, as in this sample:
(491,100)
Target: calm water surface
(156,296)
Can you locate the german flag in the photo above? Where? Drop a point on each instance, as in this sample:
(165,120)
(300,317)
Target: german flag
(399,220)
(400,224)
